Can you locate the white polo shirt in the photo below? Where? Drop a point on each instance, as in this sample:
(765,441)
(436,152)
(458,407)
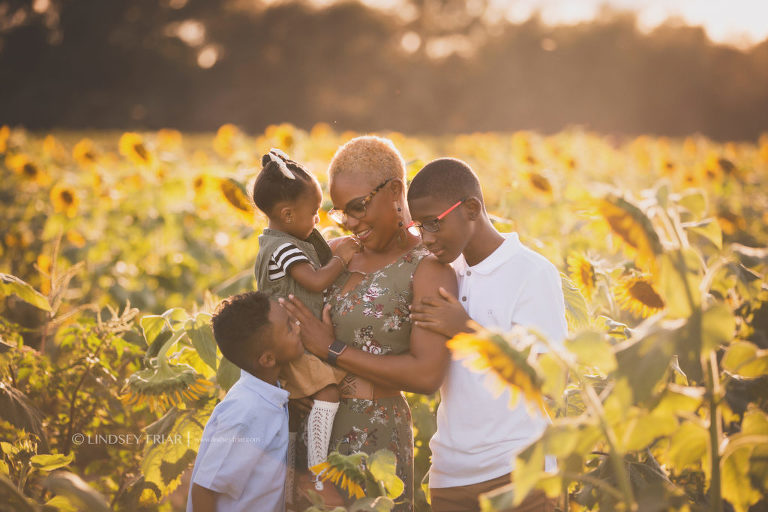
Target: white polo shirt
(244,447)
(478,436)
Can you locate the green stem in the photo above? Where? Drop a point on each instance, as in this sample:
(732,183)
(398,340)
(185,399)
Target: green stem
(615,456)
(595,407)
(715,434)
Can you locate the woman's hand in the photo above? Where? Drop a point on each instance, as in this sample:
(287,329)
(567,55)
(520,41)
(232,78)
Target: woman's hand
(443,315)
(316,335)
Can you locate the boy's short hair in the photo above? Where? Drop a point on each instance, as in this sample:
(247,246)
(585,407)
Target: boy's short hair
(370,157)
(241,327)
(448,179)
(272,186)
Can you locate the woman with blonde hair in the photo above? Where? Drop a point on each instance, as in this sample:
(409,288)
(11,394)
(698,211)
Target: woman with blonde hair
(366,328)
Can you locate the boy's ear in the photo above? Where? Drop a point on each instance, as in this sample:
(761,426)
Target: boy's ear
(267,359)
(474,208)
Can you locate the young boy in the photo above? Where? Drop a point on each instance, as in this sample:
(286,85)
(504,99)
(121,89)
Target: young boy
(241,464)
(501,283)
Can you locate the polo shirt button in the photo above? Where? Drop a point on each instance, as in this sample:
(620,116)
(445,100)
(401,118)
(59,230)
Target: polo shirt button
(469,272)
(464,298)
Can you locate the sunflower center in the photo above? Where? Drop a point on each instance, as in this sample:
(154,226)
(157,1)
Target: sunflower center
(141,151)
(644,292)
(29,170)
(67,197)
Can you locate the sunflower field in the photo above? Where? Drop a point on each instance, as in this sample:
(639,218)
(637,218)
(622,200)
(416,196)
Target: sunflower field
(116,247)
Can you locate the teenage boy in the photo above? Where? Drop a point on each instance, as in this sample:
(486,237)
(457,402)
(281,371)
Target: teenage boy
(501,283)
(241,464)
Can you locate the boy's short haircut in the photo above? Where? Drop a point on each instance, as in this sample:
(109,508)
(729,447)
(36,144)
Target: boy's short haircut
(272,187)
(448,179)
(241,327)
(370,157)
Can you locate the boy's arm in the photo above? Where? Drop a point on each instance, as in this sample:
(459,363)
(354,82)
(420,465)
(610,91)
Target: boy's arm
(203,499)
(443,314)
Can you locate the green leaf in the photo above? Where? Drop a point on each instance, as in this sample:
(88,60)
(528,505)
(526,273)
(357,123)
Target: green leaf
(640,429)
(62,504)
(201,334)
(707,229)
(554,377)
(175,317)
(746,360)
(378,504)
(12,285)
(644,358)
(49,462)
(694,201)
(688,446)
(153,326)
(382,465)
(529,468)
(679,399)
(679,279)
(227,374)
(717,327)
(592,350)
(576,312)
(74,488)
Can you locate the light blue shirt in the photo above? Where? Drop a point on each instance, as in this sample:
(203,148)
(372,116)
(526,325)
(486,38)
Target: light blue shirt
(244,446)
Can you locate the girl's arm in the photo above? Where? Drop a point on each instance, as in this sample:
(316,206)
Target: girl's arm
(317,280)
(203,499)
(421,370)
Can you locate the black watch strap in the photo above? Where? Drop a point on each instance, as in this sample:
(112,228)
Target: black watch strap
(335,350)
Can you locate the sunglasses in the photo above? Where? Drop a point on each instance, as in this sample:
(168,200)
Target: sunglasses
(431,226)
(356,208)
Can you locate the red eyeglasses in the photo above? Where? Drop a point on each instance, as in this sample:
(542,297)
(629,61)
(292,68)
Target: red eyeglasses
(431,226)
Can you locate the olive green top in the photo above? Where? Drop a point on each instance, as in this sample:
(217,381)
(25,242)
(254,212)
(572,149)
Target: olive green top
(314,247)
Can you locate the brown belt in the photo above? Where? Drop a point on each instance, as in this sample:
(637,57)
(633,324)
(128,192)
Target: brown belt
(353,386)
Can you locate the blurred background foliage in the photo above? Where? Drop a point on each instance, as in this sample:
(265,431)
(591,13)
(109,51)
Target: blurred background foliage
(423,66)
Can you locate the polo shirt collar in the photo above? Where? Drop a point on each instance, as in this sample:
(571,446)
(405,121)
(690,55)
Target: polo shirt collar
(270,393)
(501,255)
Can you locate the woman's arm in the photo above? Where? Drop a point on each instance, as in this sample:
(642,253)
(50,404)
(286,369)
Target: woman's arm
(421,370)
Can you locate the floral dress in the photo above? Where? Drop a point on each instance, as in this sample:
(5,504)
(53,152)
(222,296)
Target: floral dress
(374,317)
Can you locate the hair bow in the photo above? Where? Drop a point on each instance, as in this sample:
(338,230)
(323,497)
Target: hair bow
(280,158)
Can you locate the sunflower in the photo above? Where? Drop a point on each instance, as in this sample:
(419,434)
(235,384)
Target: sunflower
(52,148)
(75,238)
(633,226)
(64,200)
(282,134)
(84,153)
(235,195)
(345,471)
(168,140)
(582,271)
(510,364)
(539,183)
(223,143)
(132,147)
(637,294)
(163,385)
(5,133)
(320,131)
(22,165)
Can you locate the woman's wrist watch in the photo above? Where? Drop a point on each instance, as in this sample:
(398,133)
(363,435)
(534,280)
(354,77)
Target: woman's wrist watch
(335,350)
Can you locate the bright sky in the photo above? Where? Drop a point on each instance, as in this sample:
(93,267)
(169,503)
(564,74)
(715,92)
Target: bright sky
(738,22)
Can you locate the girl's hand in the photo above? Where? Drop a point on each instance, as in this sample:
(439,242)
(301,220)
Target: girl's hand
(316,335)
(443,315)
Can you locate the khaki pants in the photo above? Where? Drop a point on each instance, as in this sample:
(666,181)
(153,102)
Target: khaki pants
(465,498)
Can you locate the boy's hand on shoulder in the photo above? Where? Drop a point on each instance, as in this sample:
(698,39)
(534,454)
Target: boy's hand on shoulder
(443,314)
(345,248)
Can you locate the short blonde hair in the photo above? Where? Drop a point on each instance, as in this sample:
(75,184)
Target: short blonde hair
(368,156)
